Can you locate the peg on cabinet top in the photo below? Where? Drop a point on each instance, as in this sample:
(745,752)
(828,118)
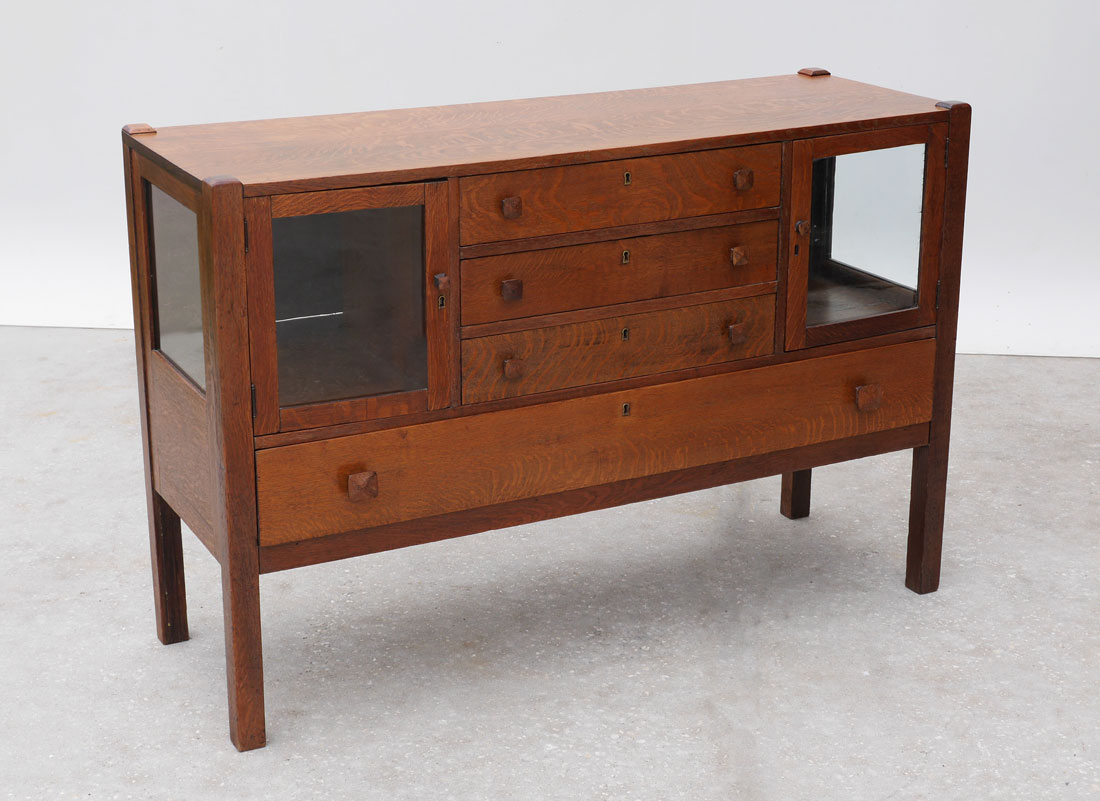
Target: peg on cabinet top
(814,72)
(136,128)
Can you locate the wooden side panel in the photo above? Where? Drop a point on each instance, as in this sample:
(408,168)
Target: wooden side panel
(487,459)
(182,472)
(560,199)
(614,348)
(619,271)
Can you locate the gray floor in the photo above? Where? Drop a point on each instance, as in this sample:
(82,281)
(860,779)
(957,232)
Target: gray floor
(698,647)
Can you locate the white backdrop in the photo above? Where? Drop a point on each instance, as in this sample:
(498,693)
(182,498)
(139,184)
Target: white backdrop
(74,72)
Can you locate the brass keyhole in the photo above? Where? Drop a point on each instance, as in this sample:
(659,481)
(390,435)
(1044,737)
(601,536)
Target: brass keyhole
(626,257)
(626,334)
(626,410)
(442,301)
(626,178)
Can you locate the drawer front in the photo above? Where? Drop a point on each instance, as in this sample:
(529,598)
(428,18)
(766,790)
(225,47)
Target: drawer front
(556,200)
(620,271)
(542,359)
(480,460)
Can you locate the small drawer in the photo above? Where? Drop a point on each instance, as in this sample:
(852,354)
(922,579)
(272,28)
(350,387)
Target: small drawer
(560,356)
(372,479)
(619,271)
(557,200)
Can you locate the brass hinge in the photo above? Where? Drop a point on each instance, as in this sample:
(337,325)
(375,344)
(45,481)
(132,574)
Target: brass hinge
(946,150)
(246,236)
(253,401)
(937,306)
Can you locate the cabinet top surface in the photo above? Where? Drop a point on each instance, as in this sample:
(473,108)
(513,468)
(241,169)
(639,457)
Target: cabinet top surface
(332,151)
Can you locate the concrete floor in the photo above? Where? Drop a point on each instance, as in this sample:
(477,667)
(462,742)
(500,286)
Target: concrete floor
(697,647)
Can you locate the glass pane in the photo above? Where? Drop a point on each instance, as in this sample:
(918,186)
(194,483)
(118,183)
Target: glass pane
(349,304)
(175,236)
(865,234)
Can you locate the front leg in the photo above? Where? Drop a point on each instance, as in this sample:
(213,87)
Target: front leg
(794,498)
(926,506)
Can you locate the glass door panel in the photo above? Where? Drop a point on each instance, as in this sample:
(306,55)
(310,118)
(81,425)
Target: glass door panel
(863,252)
(349,304)
(174,237)
(865,234)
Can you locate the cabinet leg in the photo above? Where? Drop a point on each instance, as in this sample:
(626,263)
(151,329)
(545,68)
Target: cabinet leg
(244,657)
(794,498)
(929,491)
(169,593)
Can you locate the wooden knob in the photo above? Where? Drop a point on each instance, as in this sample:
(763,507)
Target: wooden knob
(513,368)
(742,179)
(511,289)
(738,257)
(362,486)
(802,227)
(511,207)
(442,281)
(868,397)
(738,333)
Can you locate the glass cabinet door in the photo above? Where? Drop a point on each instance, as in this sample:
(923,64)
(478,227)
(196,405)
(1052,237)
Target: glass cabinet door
(349,304)
(864,240)
(353,304)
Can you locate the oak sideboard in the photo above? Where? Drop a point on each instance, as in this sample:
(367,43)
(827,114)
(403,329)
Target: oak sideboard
(366,331)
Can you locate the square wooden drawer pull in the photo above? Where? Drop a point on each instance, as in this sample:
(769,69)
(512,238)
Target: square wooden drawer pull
(513,368)
(511,289)
(511,207)
(743,180)
(362,486)
(738,257)
(738,333)
(868,397)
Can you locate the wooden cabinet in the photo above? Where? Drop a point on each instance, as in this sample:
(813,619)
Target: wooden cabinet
(364,332)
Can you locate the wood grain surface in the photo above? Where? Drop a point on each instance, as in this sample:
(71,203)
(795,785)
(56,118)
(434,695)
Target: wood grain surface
(557,200)
(182,472)
(486,459)
(345,150)
(545,507)
(616,347)
(583,276)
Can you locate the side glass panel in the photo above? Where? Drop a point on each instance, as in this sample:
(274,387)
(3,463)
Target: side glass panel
(174,232)
(865,234)
(349,304)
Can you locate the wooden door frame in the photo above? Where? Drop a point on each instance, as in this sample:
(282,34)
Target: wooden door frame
(270,417)
(933,136)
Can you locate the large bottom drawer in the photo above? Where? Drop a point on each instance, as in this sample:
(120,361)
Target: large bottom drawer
(479,460)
